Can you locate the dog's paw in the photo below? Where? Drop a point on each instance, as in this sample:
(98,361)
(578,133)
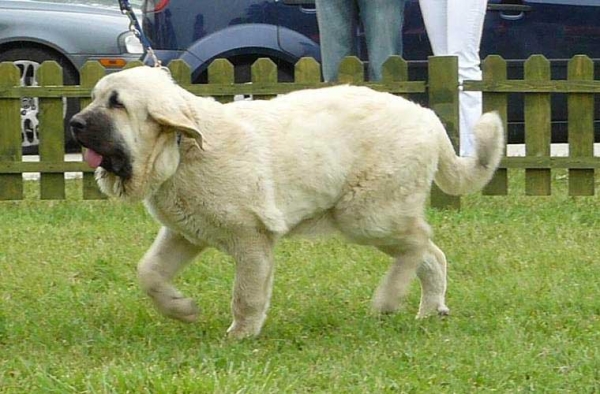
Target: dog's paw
(182,309)
(381,306)
(241,331)
(441,310)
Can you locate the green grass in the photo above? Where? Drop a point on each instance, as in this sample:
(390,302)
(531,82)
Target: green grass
(523,291)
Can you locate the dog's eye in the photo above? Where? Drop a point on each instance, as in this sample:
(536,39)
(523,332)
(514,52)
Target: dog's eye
(114,102)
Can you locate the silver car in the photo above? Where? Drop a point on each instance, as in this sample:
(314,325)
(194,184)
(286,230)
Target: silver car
(68,33)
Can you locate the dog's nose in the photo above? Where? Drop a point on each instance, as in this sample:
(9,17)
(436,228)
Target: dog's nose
(77,124)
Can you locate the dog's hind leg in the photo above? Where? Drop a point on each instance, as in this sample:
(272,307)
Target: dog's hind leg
(169,253)
(409,253)
(432,274)
(253,285)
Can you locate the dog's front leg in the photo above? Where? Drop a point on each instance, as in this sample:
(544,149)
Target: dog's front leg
(169,253)
(253,285)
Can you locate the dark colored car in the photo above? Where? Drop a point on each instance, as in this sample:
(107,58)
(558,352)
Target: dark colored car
(70,34)
(286,30)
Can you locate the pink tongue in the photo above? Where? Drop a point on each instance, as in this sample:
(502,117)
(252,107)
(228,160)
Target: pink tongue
(92,158)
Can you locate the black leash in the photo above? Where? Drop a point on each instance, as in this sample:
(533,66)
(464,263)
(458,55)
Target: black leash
(135,27)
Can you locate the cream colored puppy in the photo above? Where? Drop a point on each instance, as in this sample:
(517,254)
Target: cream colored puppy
(240,176)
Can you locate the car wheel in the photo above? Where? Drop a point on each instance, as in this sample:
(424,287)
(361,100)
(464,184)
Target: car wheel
(243,70)
(28,60)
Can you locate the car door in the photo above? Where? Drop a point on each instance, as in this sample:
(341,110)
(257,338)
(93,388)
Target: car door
(514,29)
(557,29)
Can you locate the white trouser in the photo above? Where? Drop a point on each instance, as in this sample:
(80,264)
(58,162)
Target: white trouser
(454,27)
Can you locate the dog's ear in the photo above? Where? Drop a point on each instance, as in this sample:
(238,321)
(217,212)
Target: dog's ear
(176,114)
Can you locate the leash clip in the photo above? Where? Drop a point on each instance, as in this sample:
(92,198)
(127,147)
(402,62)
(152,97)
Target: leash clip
(134,27)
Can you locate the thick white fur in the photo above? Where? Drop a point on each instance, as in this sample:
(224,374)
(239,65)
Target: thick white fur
(343,158)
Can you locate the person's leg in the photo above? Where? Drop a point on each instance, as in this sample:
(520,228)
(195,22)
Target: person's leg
(382,20)
(436,23)
(465,27)
(336,20)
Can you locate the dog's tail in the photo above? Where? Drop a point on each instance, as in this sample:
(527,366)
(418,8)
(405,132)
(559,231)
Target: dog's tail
(462,175)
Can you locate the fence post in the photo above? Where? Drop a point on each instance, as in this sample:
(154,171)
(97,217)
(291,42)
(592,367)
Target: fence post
(52,132)
(221,71)
(264,70)
(443,99)
(351,70)
(537,126)
(11,185)
(181,73)
(91,72)
(394,69)
(494,70)
(133,64)
(307,70)
(581,126)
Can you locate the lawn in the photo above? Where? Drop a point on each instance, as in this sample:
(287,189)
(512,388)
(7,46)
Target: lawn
(523,291)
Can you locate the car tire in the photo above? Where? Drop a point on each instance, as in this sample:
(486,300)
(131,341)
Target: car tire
(243,70)
(27,60)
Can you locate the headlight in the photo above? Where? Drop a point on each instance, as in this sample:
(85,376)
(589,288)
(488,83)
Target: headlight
(132,44)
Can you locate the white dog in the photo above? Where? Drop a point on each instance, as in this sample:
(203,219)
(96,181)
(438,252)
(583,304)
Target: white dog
(240,176)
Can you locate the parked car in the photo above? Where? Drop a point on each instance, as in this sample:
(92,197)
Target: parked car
(70,34)
(285,30)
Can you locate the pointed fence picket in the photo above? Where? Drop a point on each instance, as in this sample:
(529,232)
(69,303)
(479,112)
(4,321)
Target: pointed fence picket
(442,89)
(537,86)
(51,148)
(90,75)
(581,127)
(494,70)
(537,127)
(11,182)
(443,99)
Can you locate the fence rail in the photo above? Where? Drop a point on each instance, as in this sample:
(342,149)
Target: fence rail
(442,89)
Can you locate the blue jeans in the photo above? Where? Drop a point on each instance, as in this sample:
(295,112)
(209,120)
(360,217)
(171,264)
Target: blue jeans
(382,21)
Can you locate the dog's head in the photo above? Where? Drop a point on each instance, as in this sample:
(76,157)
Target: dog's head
(130,130)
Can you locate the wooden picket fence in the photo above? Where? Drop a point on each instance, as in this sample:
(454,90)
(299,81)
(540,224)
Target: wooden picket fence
(441,87)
